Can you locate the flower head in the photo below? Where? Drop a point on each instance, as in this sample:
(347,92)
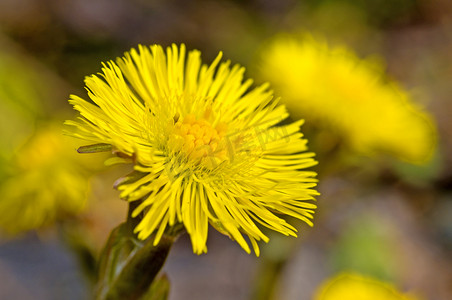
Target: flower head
(348,96)
(48,184)
(353,286)
(205,148)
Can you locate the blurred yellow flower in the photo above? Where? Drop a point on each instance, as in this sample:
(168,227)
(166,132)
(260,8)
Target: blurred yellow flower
(49,184)
(353,287)
(203,148)
(350,96)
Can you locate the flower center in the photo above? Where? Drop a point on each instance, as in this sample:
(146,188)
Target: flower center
(199,141)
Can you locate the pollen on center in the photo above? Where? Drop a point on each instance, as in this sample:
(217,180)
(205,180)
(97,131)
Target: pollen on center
(199,141)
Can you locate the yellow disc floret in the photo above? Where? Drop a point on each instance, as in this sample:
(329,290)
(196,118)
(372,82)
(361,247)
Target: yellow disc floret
(199,141)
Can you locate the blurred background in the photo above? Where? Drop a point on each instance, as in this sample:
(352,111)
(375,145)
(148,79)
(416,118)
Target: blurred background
(380,215)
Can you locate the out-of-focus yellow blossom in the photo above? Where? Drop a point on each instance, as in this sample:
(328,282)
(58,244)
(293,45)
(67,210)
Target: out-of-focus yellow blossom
(356,287)
(205,149)
(351,96)
(49,183)
(28,91)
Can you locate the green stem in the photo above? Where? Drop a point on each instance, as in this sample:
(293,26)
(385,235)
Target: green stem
(133,222)
(128,266)
(139,273)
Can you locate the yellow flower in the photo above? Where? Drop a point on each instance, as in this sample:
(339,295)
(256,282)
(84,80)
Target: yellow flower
(206,150)
(349,96)
(48,183)
(352,286)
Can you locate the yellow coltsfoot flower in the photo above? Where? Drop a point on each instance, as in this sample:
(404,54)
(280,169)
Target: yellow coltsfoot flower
(349,96)
(353,286)
(206,148)
(49,183)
